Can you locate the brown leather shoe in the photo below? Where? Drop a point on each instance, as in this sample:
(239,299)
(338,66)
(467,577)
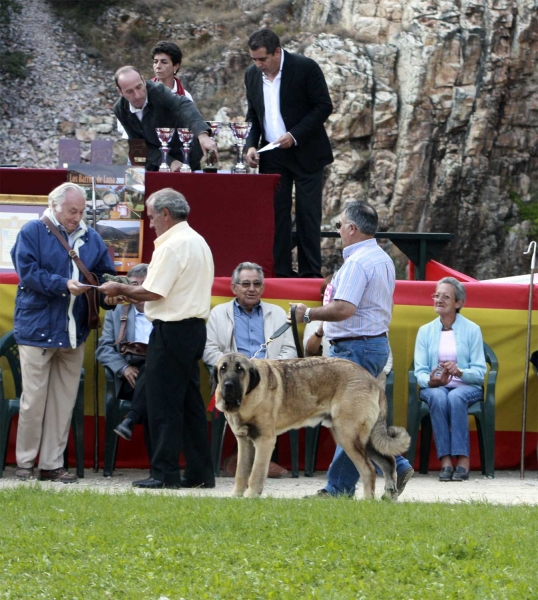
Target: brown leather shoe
(276,471)
(230,465)
(62,475)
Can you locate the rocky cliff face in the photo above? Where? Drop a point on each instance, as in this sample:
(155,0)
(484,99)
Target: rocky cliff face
(440,130)
(435,120)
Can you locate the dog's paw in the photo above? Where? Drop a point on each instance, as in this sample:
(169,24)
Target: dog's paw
(238,493)
(252,494)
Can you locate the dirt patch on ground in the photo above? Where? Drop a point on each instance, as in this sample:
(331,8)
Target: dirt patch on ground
(505,488)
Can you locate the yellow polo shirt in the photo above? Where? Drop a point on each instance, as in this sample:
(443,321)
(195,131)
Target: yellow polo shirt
(181,270)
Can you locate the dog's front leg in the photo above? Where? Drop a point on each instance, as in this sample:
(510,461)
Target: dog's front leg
(245,459)
(263,449)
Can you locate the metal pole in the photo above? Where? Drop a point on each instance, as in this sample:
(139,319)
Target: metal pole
(527,357)
(95,364)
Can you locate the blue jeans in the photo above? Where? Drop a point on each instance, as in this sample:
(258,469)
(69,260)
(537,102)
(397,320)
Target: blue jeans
(372,354)
(448,413)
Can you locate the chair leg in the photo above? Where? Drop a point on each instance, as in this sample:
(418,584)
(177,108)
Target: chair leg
(77,423)
(425,443)
(311,449)
(218,429)
(413,426)
(486,447)
(111,449)
(4,439)
(294,448)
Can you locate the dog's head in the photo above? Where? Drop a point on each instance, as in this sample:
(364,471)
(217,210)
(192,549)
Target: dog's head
(234,376)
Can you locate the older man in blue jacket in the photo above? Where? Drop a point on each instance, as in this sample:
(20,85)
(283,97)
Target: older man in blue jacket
(51,326)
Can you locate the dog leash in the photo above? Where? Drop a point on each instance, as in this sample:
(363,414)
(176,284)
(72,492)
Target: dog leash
(281,330)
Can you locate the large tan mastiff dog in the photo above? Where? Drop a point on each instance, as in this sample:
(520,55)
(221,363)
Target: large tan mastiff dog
(263,398)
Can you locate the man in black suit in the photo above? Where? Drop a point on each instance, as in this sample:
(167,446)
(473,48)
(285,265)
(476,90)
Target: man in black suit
(288,103)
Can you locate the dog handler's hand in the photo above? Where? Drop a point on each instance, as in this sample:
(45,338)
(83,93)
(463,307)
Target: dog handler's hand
(299,312)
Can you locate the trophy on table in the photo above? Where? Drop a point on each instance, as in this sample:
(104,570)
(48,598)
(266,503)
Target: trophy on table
(211,166)
(165,136)
(240,130)
(185,135)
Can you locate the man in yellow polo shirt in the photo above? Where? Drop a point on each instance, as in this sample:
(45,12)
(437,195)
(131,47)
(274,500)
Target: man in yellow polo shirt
(177,292)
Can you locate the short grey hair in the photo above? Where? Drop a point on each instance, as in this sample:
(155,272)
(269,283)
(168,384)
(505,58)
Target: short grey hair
(171,199)
(459,289)
(140,270)
(363,216)
(57,196)
(243,266)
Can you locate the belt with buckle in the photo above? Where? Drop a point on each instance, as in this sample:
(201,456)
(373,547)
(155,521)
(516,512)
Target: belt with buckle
(360,338)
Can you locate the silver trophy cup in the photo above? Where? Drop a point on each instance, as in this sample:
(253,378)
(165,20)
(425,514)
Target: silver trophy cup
(185,135)
(240,130)
(165,136)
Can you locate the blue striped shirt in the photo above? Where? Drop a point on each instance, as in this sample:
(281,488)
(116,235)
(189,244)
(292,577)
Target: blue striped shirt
(248,330)
(367,280)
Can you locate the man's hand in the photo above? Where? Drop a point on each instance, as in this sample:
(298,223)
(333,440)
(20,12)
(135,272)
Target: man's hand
(299,312)
(253,157)
(175,166)
(114,301)
(439,377)
(131,373)
(74,288)
(208,143)
(111,288)
(285,141)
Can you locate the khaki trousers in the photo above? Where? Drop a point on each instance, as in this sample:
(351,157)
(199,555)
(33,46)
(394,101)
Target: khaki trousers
(50,380)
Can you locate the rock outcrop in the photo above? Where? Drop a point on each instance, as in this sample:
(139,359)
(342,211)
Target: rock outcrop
(435,109)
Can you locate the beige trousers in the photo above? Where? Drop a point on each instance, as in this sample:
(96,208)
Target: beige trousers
(50,380)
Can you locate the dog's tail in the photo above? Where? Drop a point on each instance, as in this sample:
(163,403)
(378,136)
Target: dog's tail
(388,440)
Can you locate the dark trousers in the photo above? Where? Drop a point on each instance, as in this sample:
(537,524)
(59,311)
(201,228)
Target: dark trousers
(308,191)
(138,412)
(176,411)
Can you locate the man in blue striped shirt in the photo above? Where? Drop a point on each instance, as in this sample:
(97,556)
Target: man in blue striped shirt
(357,310)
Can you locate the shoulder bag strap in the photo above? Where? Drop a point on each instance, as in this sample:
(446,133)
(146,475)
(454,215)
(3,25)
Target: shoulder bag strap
(123,326)
(90,277)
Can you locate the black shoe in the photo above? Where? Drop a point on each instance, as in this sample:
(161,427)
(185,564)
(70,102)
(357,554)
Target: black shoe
(446,474)
(403,478)
(125,429)
(460,474)
(189,483)
(154,484)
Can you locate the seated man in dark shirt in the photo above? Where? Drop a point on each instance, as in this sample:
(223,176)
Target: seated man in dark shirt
(128,323)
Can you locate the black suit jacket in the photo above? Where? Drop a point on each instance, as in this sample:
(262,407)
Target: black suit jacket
(305,105)
(164,109)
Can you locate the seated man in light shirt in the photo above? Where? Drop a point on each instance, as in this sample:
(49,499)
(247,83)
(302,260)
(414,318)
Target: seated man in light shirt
(243,325)
(128,369)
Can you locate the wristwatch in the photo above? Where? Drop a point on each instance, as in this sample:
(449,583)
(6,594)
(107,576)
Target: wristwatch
(306,316)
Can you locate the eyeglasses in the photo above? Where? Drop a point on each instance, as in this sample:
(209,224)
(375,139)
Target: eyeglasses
(444,297)
(246,284)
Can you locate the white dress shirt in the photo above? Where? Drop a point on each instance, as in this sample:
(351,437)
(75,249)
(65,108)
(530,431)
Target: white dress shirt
(273,122)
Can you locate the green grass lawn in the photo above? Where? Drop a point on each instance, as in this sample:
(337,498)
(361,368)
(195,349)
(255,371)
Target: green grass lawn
(92,545)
